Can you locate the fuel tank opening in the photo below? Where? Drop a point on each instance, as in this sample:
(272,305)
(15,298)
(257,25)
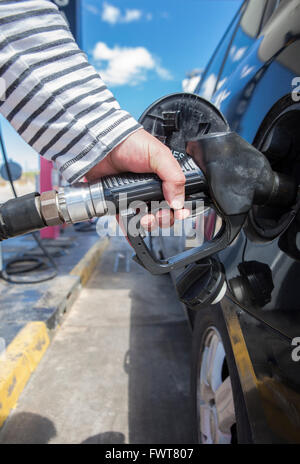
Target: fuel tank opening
(279,140)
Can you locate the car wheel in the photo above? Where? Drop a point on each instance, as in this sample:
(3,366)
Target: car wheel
(218,404)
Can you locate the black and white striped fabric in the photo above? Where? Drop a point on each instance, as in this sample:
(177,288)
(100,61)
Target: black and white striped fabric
(53,97)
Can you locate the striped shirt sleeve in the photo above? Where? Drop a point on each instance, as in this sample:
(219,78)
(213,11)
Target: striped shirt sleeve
(53,97)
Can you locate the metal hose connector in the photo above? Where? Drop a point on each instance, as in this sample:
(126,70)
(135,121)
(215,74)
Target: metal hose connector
(81,202)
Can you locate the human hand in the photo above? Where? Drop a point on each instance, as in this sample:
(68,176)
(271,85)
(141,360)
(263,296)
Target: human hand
(141,152)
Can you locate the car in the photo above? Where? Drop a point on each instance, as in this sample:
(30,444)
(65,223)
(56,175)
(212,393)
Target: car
(245,379)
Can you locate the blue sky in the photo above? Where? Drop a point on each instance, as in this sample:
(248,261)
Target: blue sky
(143,49)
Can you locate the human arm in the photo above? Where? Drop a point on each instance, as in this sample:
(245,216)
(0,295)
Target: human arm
(59,104)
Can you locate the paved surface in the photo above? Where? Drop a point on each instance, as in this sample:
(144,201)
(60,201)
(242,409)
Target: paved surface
(20,304)
(117,370)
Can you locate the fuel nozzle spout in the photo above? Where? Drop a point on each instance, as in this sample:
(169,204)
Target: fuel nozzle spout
(284,192)
(239,176)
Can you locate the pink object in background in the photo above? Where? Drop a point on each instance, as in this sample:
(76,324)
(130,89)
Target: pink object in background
(46,168)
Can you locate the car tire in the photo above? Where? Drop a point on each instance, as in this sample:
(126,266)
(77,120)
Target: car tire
(209,327)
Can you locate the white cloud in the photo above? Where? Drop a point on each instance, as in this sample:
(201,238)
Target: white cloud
(132,15)
(209,86)
(113,15)
(91,8)
(126,65)
(189,84)
(221,96)
(163,72)
(237,53)
(110,13)
(221,83)
(246,70)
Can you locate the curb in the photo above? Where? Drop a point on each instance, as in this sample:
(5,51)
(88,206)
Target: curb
(18,363)
(25,352)
(87,264)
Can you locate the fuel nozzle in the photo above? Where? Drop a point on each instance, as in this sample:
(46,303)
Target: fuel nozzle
(239,176)
(229,173)
(224,168)
(221,169)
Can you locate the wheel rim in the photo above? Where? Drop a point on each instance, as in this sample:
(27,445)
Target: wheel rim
(216,415)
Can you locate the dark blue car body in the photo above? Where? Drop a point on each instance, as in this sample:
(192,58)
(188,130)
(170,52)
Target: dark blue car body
(252,79)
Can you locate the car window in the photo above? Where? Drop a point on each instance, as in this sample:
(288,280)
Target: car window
(252,17)
(255,13)
(240,35)
(270,9)
(210,78)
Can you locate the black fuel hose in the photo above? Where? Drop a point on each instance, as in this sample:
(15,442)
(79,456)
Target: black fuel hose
(26,262)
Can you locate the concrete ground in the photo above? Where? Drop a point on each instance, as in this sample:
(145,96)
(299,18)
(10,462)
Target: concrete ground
(117,371)
(20,304)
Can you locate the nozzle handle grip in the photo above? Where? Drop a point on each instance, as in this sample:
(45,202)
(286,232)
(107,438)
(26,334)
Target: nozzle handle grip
(126,188)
